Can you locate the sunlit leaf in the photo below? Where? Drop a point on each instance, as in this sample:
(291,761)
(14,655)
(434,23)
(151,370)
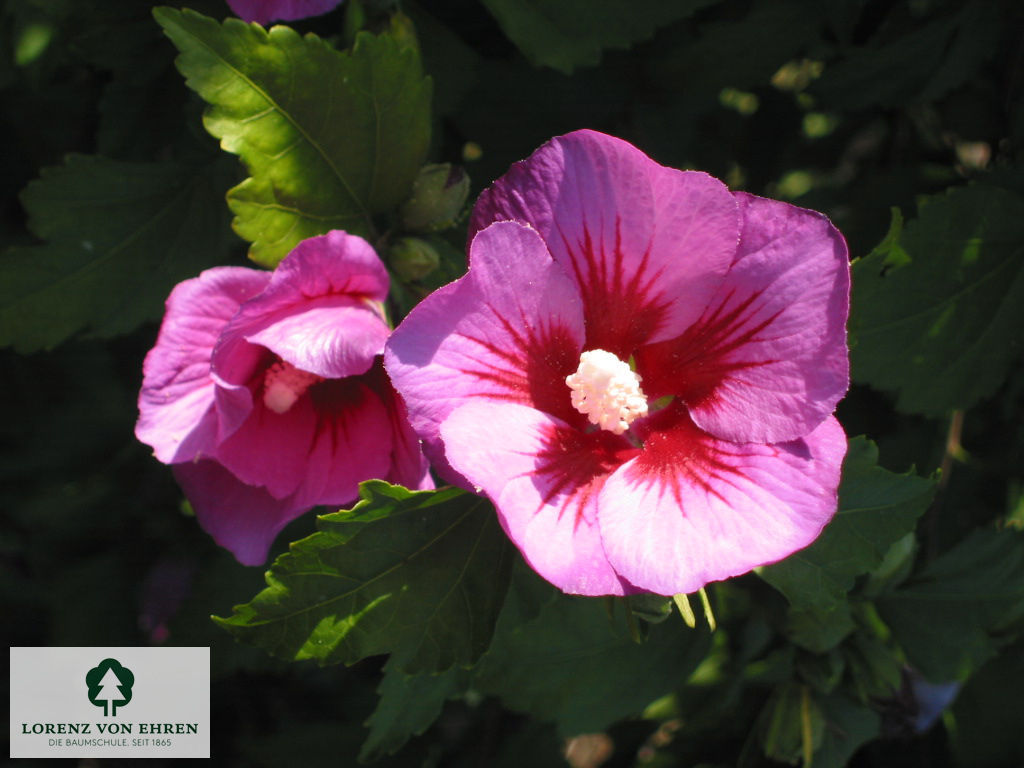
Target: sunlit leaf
(421,574)
(330,153)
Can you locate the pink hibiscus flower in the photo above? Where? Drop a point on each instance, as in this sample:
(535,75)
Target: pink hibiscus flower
(265,391)
(263,11)
(639,370)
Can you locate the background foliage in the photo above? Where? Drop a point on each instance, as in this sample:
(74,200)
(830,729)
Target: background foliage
(902,119)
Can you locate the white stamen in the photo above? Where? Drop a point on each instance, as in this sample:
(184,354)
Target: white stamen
(607,391)
(284,384)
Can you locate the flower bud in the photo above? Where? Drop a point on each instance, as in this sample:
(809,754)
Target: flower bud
(438,195)
(413,259)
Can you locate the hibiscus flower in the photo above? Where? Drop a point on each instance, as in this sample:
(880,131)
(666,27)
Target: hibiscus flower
(265,391)
(639,370)
(263,11)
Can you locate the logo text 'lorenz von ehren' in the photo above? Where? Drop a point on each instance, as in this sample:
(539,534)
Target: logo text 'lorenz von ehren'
(110,702)
(110,685)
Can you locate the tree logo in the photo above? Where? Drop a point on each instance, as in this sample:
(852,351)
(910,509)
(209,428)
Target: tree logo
(110,685)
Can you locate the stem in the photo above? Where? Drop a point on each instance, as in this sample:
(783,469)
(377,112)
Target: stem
(806,729)
(952,452)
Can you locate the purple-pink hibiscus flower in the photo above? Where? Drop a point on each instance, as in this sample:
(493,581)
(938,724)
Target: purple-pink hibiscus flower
(266,393)
(639,369)
(263,11)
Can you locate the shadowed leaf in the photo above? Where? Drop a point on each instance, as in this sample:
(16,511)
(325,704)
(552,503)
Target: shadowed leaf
(876,509)
(937,311)
(950,617)
(119,236)
(573,33)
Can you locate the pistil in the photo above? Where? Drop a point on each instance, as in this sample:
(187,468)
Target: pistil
(607,391)
(284,384)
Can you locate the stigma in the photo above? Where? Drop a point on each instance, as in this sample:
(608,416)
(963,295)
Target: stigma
(284,384)
(607,391)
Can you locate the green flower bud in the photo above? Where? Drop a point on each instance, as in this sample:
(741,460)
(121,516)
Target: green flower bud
(413,259)
(653,609)
(438,195)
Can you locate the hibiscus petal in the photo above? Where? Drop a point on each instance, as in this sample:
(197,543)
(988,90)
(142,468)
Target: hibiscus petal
(175,405)
(320,312)
(647,245)
(543,477)
(319,450)
(333,337)
(262,11)
(693,509)
(409,467)
(354,441)
(336,263)
(510,330)
(244,519)
(767,361)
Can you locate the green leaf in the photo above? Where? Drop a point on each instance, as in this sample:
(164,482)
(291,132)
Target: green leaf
(987,714)
(120,235)
(770,33)
(819,631)
(791,723)
(409,704)
(329,138)
(421,574)
(576,665)
(956,612)
(919,65)
(573,33)
(876,508)
(937,312)
(822,671)
(873,667)
(848,725)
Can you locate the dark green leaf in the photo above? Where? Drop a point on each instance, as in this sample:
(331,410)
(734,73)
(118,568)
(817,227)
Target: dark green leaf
(953,615)
(409,704)
(453,65)
(873,666)
(823,671)
(574,664)
(771,33)
(921,64)
(120,235)
(573,33)
(790,720)
(330,154)
(876,509)
(938,310)
(848,725)
(421,574)
(819,631)
(987,714)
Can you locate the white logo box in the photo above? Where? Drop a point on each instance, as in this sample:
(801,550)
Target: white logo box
(110,702)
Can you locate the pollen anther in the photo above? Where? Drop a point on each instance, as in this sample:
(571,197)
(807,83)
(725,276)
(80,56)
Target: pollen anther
(607,391)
